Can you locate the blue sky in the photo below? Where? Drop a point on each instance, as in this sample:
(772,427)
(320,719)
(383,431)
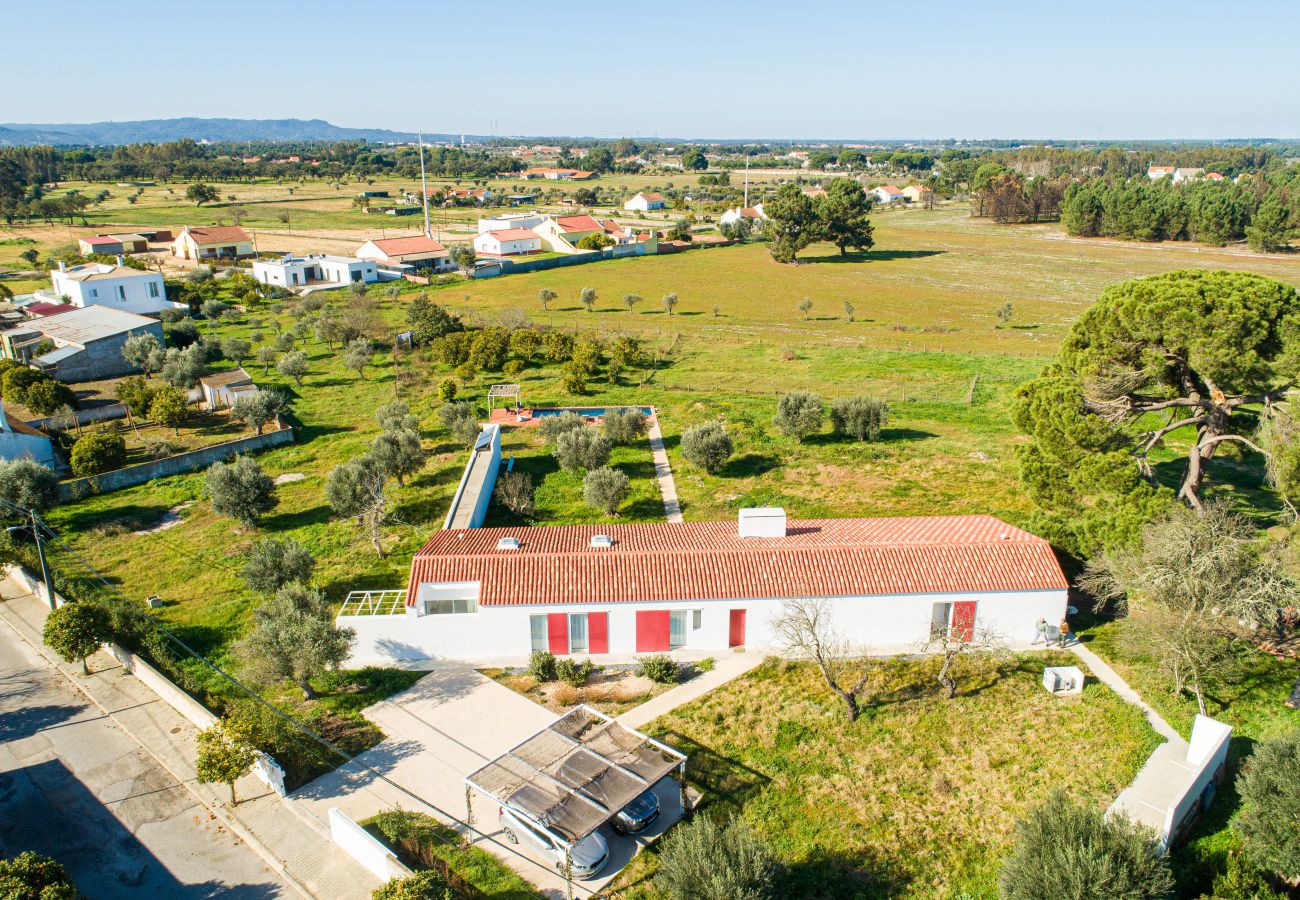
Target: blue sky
(1053,68)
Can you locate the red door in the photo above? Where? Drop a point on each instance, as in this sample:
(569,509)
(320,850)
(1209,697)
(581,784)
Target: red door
(557,633)
(736,634)
(652,630)
(963,620)
(598,632)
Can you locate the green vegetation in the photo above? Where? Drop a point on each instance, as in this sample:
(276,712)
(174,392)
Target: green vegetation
(30,876)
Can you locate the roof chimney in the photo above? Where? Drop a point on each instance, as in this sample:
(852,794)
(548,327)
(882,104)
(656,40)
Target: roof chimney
(120,260)
(761,522)
(63,266)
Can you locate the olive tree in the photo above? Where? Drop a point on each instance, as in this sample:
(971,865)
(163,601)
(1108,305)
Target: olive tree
(552,427)
(805,628)
(294,638)
(799,415)
(708,446)
(259,408)
(704,859)
(514,491)
(293,365)
(1269,822)
(359,489)
(359,354)
(860,418)
(274,562)
(624,426)
(1066,850)
(143,351)
(398,453)
(241,490)
(460,419)
(581,449)
(604,489)
(28,484)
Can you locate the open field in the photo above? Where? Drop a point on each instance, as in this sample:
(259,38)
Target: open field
(886,806)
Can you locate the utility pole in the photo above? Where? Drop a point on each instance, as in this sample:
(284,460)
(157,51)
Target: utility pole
(45,566)
(747,177)
(424,189)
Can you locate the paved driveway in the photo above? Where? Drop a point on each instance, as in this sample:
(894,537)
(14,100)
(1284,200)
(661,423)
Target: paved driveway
(76,787)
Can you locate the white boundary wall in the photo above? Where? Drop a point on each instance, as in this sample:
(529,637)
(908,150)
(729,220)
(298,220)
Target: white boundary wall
(364,848)
(1208,751)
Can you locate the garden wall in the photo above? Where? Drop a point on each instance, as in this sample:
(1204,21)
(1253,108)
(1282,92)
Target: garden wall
(78,488)
(364,848)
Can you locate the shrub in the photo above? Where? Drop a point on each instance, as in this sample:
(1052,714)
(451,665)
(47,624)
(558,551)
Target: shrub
(1269,822)
(552,427)
(859,417)
(46,397)
(604,489)
(1066,850)
(624,426)
(75,630)
(542,666)
(513,367)
(573,380)
(423,885)
(446,390)
(557,347)
(136,394)
(707,664)
(169,408)
(705,860)
(707,446)
(99,452)
(28,484)
(30,876)
(572,673)
(17,381)
(659,668)
(799,415)
(514,491)
(582,449)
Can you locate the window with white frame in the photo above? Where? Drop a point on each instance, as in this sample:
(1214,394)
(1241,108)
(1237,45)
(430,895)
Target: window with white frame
(455,598)
(153,289)
(537,625)
(697,619)
(677,628)
(578,633)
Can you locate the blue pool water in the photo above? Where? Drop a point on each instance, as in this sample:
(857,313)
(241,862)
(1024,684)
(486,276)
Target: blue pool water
(587,410)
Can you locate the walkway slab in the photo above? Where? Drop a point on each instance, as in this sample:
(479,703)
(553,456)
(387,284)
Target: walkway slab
(1109,677)
(725,670)
(664,473)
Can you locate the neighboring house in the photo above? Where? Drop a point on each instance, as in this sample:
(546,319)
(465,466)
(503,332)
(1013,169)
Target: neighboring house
(510,220)
(213,242)
(88,342)
(886,194)
(18,440)
(916,193)
(315,270)
(1181,175)
(221,390)
(37,310)
(1155,173)
(1215,176)
(754,214)
(619,233)
(418,252)
(507,242)
(644,202)
(562,233)
(102,284)
(814,192)
(100,244)
(698,589)
(556,174)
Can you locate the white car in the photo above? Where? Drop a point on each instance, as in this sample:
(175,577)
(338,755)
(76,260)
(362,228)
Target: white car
(588,856)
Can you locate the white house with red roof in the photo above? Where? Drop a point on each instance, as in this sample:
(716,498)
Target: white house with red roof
(697,589)
(562,233)
(507,242)
(646,201)
(886,194)
(752,214)
(553,174)
(213,242)
(1155,173)
(418,252)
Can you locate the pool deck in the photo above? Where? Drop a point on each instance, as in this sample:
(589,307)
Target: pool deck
(526,416)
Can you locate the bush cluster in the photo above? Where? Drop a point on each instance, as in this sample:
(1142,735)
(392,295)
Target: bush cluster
(659,668)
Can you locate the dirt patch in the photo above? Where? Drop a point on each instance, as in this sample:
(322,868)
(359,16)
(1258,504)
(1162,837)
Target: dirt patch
(169,519)
(289,477)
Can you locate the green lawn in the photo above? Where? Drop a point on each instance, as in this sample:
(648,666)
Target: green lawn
(919,797)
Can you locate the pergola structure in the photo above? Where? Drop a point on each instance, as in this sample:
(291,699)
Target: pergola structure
(503,391)
(577,773)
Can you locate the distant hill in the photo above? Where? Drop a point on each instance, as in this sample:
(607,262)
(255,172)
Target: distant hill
(213,130)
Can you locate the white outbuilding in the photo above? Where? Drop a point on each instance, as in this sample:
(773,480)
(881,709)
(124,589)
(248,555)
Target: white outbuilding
(315,270)
(508,242)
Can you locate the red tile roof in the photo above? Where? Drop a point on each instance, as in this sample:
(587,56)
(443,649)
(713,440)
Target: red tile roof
(709,561)
(652,196)
(407,245)
(577,223)
(219,234)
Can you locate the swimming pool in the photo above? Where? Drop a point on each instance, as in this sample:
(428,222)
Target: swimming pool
(587,411)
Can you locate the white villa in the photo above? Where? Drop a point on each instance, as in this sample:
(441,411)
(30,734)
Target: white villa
(418,252)
(213,242)
(319,271)
(118,286)
(644,202)
(753,213)
(507,242)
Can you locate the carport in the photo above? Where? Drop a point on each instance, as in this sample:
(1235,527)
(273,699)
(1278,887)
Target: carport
(576,774)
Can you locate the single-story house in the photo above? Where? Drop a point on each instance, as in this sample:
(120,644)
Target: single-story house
(1155,173)
(696,589)
(754,214)
(115,285)
(419,252)
(87,342)
(510,220)
(916,193)
(1187,174)
(317,270)
(507,242)
(644,202)
(221,389)
(44,308)
(887,194)
(18,440)
(562,233)
(213,242)
(551,174)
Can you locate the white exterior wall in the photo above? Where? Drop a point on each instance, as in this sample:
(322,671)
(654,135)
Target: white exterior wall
(501,634)
(487,242)
(502,223)
(109,292)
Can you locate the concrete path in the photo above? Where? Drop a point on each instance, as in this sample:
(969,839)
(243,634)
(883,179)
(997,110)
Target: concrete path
(725,670)
(664,474)
(1109,677)
(76,787)
(298,851)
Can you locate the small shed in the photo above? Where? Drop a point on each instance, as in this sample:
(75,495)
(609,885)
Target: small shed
(221,389)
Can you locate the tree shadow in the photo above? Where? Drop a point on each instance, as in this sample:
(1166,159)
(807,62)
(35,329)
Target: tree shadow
(905,434)
(833,875)
(750,465)
(871,256)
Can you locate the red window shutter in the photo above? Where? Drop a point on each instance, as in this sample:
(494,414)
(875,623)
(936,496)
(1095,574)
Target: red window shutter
(598,632)
(557,632)
(963,620)
(652,630)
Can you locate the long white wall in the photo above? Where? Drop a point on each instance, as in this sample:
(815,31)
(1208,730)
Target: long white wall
(501,635)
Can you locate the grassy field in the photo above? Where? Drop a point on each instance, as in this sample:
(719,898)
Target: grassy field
(919,797)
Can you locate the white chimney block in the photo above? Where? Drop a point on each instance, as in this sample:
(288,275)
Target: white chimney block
(63,267)
(762,522)
(120,260)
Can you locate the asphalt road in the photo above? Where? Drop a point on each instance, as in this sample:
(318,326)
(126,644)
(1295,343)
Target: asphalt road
(76,787)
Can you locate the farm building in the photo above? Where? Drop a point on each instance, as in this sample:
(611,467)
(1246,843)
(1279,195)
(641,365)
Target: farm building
(315,270)
(213,242)
(87,342)
(100,243)
(556,174)
(507,242)
(418,252)
(644,202)
(116,286)
(221,389)
(494,595)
